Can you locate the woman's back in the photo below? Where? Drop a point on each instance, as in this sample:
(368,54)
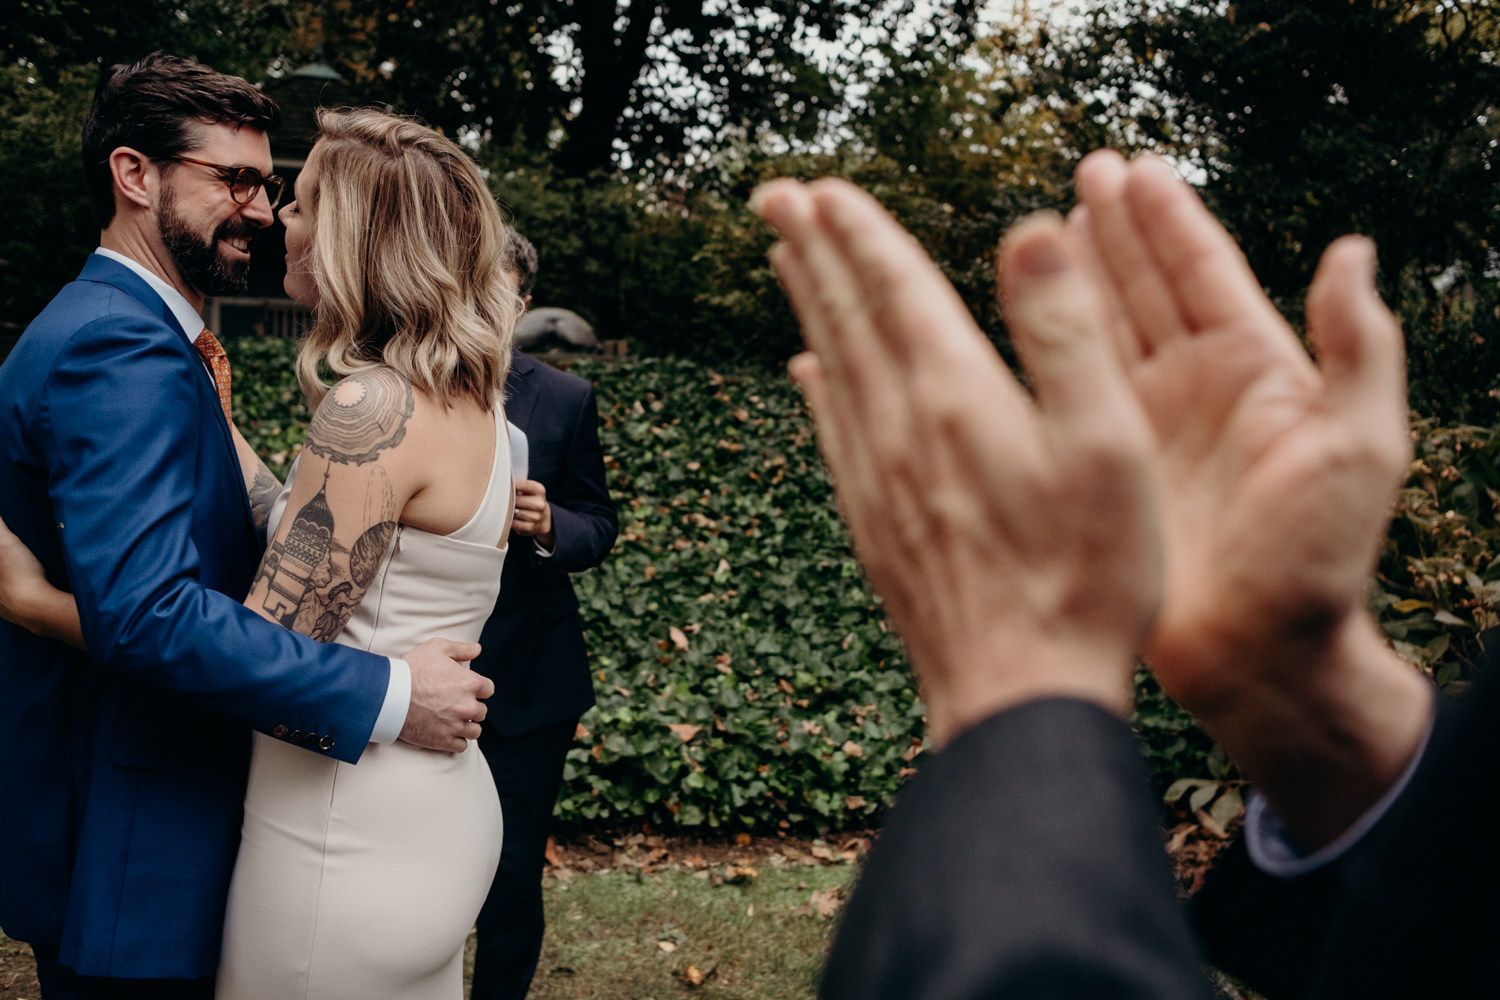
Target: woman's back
(371,874)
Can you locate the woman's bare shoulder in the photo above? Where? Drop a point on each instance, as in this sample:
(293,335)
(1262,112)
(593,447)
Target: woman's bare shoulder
(362,416)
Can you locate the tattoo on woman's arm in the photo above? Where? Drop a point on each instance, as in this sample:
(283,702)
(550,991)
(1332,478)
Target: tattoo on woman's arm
(360,417)
(313,582)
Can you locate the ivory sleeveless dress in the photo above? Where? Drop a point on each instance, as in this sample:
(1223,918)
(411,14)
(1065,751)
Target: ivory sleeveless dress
(361,882)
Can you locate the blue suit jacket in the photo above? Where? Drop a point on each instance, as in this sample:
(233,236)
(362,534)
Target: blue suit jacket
(122,772)
(533,643)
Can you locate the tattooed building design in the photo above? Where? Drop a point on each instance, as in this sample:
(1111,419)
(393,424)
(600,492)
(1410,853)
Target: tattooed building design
(292,564)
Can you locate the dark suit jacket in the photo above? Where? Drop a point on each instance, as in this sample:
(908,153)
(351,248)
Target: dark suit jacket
(533,641)
(1408,911)
(122,772)
(1025,861)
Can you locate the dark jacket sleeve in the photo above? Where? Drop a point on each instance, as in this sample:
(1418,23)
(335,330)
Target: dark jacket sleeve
(583,516)
(1024,861)
(1407,911)
(119,419)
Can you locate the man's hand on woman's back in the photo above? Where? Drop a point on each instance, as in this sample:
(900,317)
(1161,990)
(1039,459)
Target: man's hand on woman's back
(446,706)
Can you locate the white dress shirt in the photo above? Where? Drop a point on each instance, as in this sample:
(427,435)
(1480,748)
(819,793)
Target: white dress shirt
(1272,848)
(392,715)
(520,462)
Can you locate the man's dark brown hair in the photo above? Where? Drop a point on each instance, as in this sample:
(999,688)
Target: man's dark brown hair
(153,107)
(523,262)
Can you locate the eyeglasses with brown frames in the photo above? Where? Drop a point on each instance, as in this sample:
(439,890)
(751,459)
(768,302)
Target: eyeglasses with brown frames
(244,182)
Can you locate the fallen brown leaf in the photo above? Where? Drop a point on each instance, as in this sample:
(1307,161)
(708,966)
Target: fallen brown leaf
(1180,834)
(581,733)
(650,572)
(827,901)
(551,853)
(823,903)
(679,638)
(684,731)
(1208,823)
(694,977)
(852,749)
(666,946)
(854,801)
(742,839)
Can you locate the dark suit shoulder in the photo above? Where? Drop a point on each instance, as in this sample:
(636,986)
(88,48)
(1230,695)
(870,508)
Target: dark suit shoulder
(559,384)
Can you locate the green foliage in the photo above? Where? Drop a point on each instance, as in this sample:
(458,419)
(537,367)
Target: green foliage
(267,403)
(1437,593)
(732,605)
(47,226)
(1309,119)
(595,89)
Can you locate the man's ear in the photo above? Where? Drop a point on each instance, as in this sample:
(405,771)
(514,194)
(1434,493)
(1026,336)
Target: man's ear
(526,304)
(133,172)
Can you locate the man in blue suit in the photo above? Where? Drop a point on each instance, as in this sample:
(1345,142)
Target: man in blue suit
(123,767)
(533,645)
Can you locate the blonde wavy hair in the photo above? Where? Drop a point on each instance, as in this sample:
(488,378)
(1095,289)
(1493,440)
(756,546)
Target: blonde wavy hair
(409,255)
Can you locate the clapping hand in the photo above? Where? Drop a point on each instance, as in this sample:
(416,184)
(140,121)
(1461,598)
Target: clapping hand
(1013,539)
(1276,479)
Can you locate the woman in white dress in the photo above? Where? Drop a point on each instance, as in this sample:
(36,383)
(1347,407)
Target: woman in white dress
(362,881)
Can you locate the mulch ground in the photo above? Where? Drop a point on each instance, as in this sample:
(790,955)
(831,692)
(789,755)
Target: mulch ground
(17,971)
(1191,846)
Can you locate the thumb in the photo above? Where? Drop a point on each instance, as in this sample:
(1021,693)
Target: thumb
(1061,329)
(463,652)
(1359,345)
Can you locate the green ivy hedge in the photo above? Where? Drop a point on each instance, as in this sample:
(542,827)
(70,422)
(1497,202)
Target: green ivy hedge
(745,673)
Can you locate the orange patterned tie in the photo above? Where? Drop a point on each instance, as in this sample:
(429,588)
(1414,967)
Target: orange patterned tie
(218,365)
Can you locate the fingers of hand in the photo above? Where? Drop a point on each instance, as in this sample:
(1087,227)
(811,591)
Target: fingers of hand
(820,291)
(463,652)
(1061,330)
(529,488)
(1208,278)
(1085,255)
(484,688)
(1359,342)
(1142,288)
(910,305)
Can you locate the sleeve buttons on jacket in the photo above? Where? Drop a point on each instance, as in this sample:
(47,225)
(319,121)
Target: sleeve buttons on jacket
(279,732)
(296,736)
(326,743)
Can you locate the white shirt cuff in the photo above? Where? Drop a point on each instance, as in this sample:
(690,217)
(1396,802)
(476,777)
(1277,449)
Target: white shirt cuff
(1270,843)
(392,717)
(545,553)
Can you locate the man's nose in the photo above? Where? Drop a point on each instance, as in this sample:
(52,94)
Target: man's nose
(258,211)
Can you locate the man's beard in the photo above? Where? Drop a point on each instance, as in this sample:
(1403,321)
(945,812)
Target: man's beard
(202,265)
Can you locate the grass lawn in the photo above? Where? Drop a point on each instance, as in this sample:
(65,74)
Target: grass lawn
(756,938)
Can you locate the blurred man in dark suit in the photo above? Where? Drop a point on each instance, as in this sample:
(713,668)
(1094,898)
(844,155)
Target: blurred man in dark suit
(533,644)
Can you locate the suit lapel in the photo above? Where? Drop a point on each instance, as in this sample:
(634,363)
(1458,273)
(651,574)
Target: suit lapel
(521,391)
(110,272)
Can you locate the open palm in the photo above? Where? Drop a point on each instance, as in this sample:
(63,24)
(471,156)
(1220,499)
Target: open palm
(1276,475)
(1275,479)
